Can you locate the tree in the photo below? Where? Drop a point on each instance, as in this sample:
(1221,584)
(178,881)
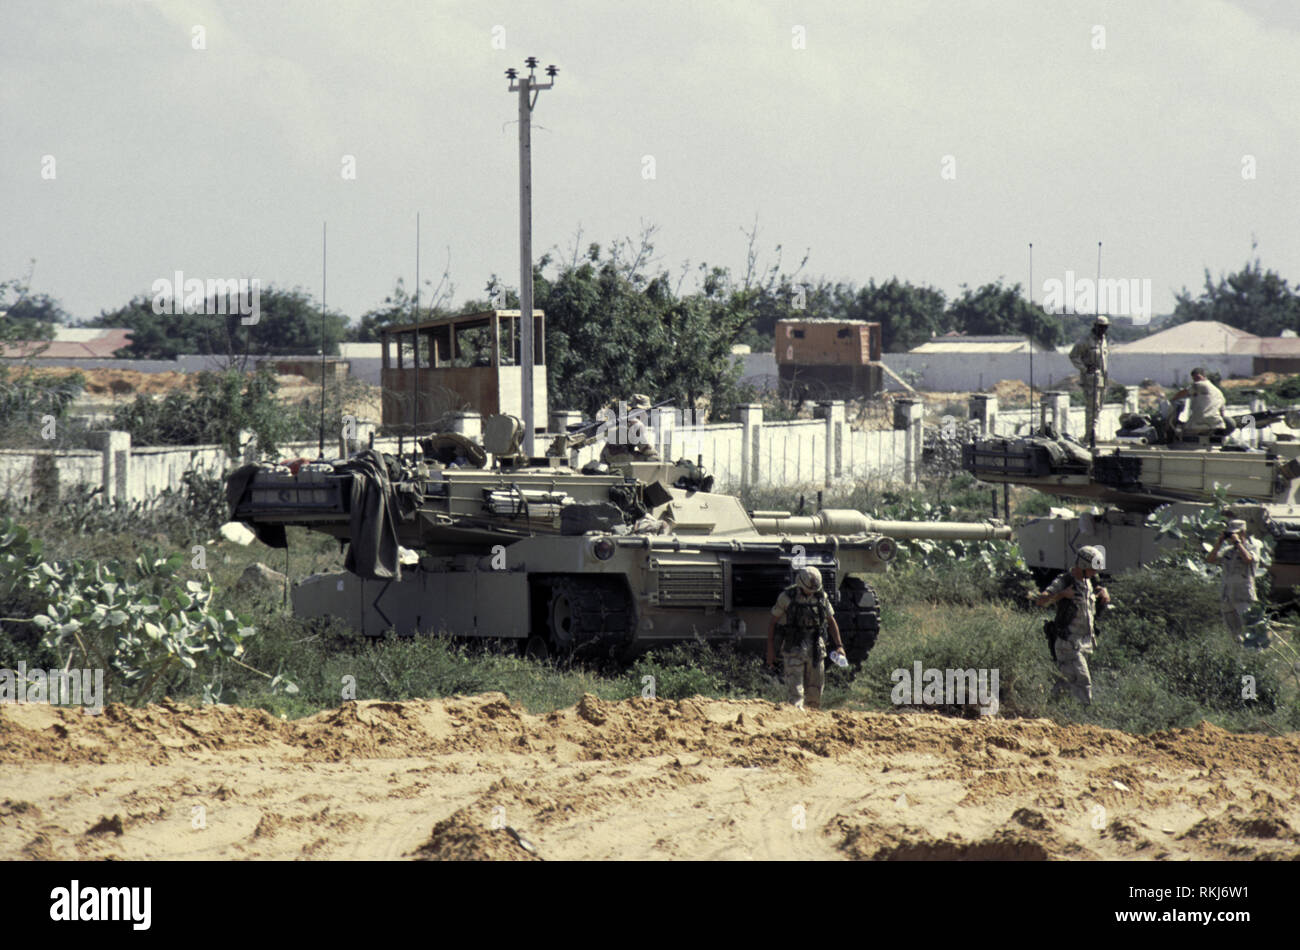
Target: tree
(1252,299)
(23,317)
(994,310)
(288,323)
(221,405)
(614,328)
(908,315)
(399,307)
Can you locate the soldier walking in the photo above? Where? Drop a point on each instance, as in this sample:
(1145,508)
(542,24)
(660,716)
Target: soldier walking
(802,615)
(1075,625)
(1239,554)
(1090,358)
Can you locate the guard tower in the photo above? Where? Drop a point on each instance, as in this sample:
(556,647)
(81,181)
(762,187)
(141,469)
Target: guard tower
(829,359)
(466,362)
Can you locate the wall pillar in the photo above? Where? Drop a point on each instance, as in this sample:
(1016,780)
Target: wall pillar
(116,465)
(1056,411)
(467,423)
(750,417)
(249,453)
(907,416)
(834,414)
(984,410)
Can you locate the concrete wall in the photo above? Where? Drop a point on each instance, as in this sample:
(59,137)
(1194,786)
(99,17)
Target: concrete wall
(958,372)
(809,453)
(802,453)
(366,369)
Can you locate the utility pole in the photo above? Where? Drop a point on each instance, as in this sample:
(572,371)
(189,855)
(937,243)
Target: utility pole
(528,87)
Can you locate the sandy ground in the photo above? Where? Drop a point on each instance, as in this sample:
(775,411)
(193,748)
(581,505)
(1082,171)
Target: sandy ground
(477,778)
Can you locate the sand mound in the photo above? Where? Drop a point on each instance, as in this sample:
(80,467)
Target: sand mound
(478,778)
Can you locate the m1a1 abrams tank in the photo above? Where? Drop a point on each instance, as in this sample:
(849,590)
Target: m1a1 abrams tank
(560,560)
(1135,475)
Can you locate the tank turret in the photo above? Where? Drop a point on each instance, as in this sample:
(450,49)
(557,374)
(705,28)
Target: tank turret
(1132,477)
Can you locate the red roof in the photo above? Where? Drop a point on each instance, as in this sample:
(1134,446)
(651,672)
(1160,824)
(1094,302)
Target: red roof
(72,343)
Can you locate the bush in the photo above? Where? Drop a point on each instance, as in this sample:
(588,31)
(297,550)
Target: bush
(221,406)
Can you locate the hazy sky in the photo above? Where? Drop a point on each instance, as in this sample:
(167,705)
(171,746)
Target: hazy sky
(224,161)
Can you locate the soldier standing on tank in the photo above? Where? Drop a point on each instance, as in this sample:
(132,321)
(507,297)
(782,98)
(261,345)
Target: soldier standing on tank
(802,616)
(1090,357)
(1078,638)
(1239,554)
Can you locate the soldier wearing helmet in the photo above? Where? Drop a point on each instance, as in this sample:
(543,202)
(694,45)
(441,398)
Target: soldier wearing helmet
(1091,358)
(801,617)
(626,432)
(1077,595)
(1240,554)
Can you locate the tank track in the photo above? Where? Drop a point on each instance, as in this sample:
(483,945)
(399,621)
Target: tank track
(599,616)
(858,617)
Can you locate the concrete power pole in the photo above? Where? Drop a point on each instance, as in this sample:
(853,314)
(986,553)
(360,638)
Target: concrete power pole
(527,87)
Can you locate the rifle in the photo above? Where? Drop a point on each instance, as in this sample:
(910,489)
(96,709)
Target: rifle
(581,433)
(1058,627)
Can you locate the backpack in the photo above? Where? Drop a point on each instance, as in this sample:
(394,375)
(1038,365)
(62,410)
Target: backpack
(804,621)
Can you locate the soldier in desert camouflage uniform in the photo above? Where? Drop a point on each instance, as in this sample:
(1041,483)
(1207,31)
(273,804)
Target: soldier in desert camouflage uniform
(1090,357)
(1078,639)
(1239,554)
(802,616)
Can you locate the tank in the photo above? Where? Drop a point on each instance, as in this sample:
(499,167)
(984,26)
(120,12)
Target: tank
(1132,478)
(601,563)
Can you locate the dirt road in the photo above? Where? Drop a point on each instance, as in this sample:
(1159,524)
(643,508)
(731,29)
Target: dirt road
(479,778)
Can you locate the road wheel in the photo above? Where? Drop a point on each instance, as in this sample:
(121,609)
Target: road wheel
(535,648)
(561,618)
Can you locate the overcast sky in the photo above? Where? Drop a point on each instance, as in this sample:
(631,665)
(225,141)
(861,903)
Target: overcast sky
(225,161)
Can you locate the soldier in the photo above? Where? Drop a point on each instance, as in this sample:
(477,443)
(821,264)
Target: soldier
(1090,358)
(632,427)
(803,614)
(1240,554)
(1075,623)
(1206,412)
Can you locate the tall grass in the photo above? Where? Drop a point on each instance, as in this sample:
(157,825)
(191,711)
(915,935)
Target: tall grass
(1164,658)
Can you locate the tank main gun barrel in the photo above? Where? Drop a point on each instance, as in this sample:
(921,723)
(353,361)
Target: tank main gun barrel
(846,521)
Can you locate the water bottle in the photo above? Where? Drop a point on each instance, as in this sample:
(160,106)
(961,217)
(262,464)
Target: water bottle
(839,659)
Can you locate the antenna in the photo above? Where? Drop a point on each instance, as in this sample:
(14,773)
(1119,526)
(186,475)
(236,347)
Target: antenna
(1099,278)
(1031,338)
(323,291)
(415,354)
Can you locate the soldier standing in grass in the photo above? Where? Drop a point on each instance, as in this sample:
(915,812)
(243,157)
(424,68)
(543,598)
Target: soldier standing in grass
(802,616)
(1239,554)
(1075,630)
